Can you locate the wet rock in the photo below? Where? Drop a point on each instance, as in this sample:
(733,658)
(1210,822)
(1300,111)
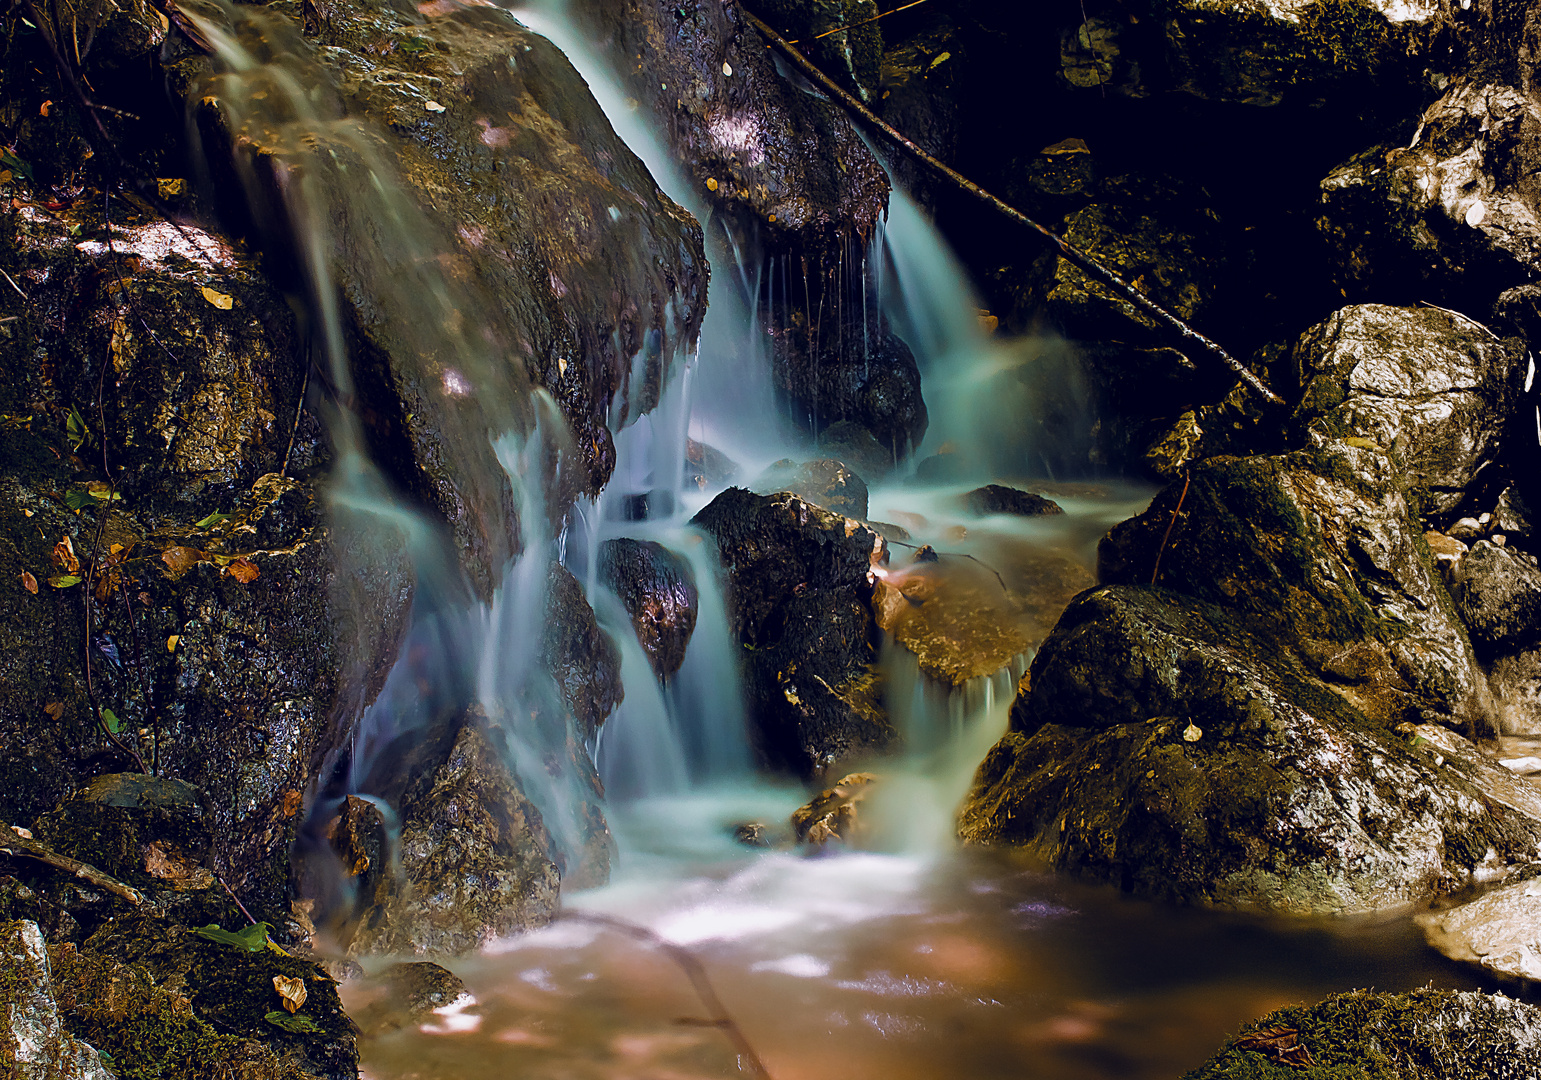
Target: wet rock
(849,442)
(752,834)
(518,203)
(156,995)
(1451,214)
(140,829)
(923,96)
(659,592)
(1165,748)
(779,166)
(955,616)
(475,856)
(1316,550)
(1499,931)
(851,57)
(34,1044)
(798,595)
(1411,1036)
(1515,682)
(1430,386)
(834,814)
(1296,50)
(850,367)
(233,682)
(824,482)
(409,993)
(1497,591)
(706,466)
(998,499)
(580,656)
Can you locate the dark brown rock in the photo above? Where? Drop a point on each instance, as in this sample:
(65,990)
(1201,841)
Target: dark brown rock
(823,481)
(658,591)
(998,499)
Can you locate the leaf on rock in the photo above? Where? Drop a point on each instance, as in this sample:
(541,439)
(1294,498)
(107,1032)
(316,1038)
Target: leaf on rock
(75,428)
(55,710)
(64,555)
(64,581)
(300,1025)
(253,938)
(292,991)
(213,519)
(182,559)
(218,299)
(171,642)
(110,719)
(243,570)
(29,582)
(1281,1044)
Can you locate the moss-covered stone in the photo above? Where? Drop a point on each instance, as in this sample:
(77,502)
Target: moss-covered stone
(1420,1035)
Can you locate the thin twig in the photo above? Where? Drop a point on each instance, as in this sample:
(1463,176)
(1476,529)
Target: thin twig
(299,411)
(694,971)
(956,555)
(1156,570)
(17,287)
(14,844)
(237,900)
(1073,254)
(864,22)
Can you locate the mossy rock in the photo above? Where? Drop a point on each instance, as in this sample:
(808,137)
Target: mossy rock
(205,1001)
(1420,1035)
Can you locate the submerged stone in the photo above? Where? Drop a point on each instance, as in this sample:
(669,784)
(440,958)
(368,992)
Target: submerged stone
(999,499)
(1499,931)
(410,993)
(834,814)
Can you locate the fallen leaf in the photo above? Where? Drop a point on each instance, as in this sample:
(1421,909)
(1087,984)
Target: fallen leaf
(1192,733)
(182,559)
(243,570)
(169,187)
(64,555)
(171,642)
(28,582)
(218,299)
(292,991)
(253,938)
(213,519)
(25,834)
(111,721)
(1281,1044)
(55,710)
(63,581)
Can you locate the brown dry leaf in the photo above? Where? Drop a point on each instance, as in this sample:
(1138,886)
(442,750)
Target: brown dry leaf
(292,991)
(243,570)
(55,710)
(64,555)
(218,299)
(1281,1045)
(182,559)
(29,582)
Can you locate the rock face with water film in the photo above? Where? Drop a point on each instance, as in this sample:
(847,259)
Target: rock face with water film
(33,1040)
(581,657)
(659,593)
(1167,749)
(823,481)
(1424,1034)
(1499,931)
(799,587)
(785,170)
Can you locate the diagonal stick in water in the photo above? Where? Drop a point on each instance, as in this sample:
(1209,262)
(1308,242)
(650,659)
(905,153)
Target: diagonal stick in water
(1082,259)
(694,971)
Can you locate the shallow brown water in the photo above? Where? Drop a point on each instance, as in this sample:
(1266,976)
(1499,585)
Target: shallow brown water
(887,967)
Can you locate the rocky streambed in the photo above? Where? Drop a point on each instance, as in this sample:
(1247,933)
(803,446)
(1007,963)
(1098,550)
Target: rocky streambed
(357,527)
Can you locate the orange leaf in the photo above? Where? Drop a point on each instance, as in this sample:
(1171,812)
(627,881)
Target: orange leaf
(28,582)
(243,570)
(64,555)
(182,559)
(55,709)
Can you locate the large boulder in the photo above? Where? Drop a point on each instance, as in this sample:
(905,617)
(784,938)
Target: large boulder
(799,589)
(1499,931)
(1167,749)
(1497,590)
(823,482)
(1423,1034)
(1430,386)
(1316,550)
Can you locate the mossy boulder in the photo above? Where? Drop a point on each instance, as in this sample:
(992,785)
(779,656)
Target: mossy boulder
(34,1042)
(799,593)
(1423,1034)
(1165,748)
(851,57)
(166,1001)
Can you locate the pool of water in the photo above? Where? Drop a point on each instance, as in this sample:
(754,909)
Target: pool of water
(911,964)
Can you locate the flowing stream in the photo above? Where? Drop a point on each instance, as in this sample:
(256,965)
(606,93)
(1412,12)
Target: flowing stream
(913,959)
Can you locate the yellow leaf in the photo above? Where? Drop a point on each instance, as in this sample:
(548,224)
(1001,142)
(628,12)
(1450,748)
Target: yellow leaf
(711,184)
(218,299)
(291,991)
(171,642)
(170,187)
